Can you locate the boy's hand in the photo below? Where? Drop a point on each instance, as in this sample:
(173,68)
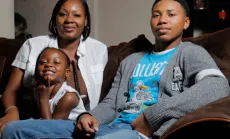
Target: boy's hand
(86,127)
(141,125)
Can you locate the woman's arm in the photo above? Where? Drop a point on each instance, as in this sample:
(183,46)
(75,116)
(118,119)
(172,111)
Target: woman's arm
(65,105)
(10,97)
(13,86)
(16,77)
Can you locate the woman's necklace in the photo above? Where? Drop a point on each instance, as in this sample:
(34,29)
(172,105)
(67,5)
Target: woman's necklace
(76,81)
(83,92)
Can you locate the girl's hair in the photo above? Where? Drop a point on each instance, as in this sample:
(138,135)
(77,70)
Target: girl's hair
(52,23)
(183,3)
(67,60)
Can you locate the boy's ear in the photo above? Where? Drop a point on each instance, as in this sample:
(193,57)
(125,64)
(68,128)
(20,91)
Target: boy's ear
(67,74)
(187,22)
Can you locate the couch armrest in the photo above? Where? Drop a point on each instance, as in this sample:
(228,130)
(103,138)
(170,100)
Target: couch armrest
(208,121)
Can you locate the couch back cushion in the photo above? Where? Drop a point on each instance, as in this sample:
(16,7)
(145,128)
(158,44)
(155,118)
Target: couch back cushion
(9,49)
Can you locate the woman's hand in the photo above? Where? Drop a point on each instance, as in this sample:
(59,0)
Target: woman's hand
(86,127)
(11,115)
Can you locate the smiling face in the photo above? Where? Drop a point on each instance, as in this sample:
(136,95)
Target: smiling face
(52,65)
(168,20)
(71,20)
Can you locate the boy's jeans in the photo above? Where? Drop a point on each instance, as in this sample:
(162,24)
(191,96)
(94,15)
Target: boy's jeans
(118,131)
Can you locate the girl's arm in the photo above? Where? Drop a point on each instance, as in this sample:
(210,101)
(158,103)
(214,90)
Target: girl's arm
(45,109)
(65,105)
(44,93)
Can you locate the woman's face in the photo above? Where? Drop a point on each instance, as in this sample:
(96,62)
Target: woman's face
(71,20)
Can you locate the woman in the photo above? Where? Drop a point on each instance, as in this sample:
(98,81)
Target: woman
(70,28)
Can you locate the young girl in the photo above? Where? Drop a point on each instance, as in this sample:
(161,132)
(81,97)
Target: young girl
(55,99)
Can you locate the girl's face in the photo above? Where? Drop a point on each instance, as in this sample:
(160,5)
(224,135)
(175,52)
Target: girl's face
(52,66)
(71,20)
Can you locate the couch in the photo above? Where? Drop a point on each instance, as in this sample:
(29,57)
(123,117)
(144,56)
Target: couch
(208,121)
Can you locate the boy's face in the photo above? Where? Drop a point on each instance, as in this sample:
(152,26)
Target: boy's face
(168,20)
(52,66)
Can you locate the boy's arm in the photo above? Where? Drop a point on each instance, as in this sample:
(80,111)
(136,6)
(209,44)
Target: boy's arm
(208,86)
(106,111)
(200,94)
(65,105)
(107,106)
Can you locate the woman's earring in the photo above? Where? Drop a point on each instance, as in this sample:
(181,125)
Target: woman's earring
(67,78)
(55,30)
(86,30)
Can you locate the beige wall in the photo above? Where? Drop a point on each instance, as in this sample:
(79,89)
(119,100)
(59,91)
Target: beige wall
(7,18)
(37,14)
(113,21)
(122,20)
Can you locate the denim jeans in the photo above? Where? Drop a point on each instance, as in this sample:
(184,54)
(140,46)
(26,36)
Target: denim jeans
(118,131)
(38,129)
(63,129)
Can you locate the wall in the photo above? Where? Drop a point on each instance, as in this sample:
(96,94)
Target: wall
(37,14)
(122,20)
(113,21)
(7,18)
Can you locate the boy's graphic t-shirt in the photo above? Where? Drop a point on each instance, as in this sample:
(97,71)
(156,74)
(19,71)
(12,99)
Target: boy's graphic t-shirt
(144,84)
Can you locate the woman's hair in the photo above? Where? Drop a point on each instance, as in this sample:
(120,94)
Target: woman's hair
(36,74)
(183,3)
(52,23)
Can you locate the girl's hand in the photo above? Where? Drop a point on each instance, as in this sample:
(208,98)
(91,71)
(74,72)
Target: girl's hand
(44,90)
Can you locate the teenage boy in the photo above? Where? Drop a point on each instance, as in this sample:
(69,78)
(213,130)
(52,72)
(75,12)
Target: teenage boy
(154,89)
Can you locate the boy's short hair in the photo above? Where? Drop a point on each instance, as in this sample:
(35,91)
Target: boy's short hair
(183,3)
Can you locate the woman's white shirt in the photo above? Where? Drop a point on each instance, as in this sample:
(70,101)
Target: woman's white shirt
(93,57)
